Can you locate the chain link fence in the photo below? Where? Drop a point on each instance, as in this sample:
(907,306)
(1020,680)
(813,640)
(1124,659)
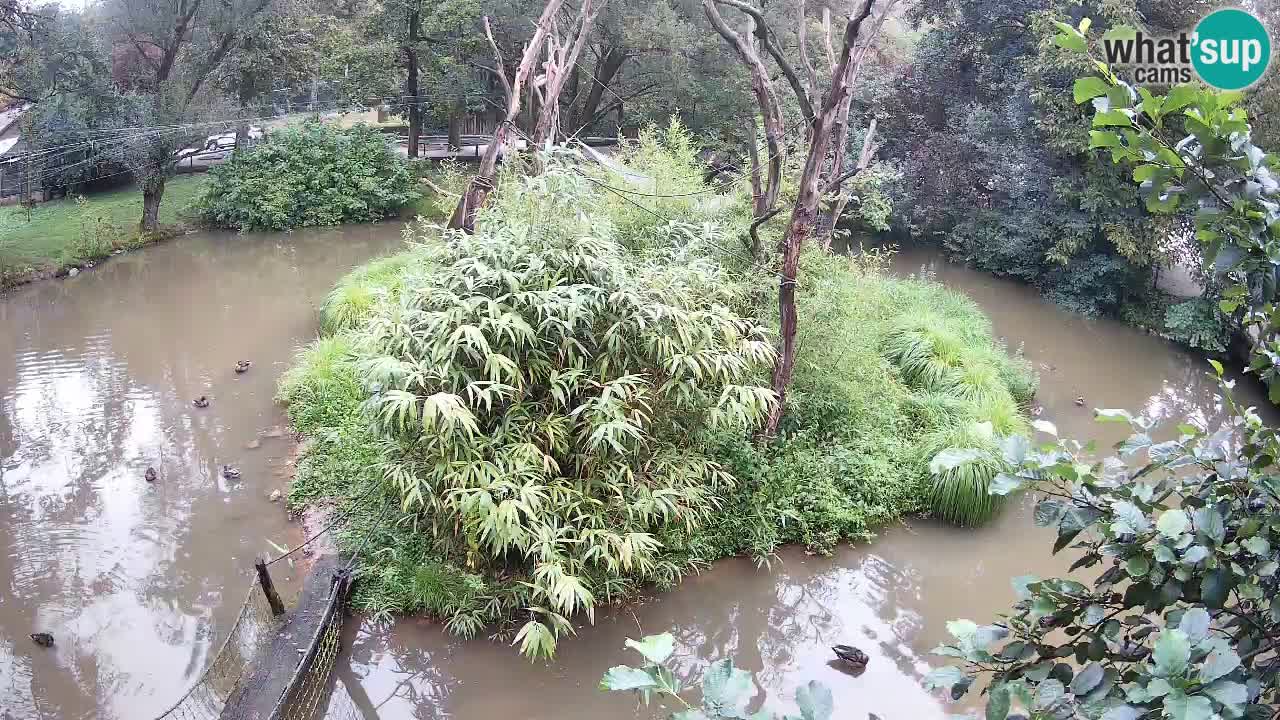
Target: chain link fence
(250,633)
(308,692)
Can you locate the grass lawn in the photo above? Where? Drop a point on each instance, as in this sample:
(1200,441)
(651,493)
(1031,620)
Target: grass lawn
(52,238)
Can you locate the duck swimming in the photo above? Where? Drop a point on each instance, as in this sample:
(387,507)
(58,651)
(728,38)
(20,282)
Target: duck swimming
(201,402)
(151,475)
(43,639)
(242,366)
(852,656)
(230,472)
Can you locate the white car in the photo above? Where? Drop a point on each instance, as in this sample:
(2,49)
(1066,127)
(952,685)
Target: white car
(216,150)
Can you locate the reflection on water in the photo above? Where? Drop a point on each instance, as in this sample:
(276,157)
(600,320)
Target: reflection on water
(891,598)
(97,373)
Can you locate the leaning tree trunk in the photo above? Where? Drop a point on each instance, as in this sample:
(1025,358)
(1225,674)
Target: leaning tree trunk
(152,192)
(464,215)
(804,214)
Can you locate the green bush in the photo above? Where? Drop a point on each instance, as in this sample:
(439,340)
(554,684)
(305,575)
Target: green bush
(540,396)
(567,421)
(1199,324)
(307,175)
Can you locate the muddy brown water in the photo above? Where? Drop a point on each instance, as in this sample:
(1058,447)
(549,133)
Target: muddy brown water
(137,581)
(891,598)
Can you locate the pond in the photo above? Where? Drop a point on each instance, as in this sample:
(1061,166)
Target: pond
(138,580)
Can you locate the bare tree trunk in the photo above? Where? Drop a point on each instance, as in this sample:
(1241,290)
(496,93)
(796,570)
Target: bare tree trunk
(804,214)
(562,55)
(606,70)
(827,220)
(152,192)
(456,115)
(247,91)
(411,85)
(464,215)
(839,136)
(753,153)
(762,87)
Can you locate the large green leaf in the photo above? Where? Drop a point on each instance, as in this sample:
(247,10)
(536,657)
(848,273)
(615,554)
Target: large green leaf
(1172,653)
(1182,707)
(998,701)
(624,677)
(1219,663)
(655,648)
(1173,523)
(726,690)
(1195,623)
(1087,679)
(1087,88)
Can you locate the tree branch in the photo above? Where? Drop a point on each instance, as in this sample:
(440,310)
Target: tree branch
(497,55)
(765,36)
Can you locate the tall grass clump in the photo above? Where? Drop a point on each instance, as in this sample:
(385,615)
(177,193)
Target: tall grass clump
(351,302)
(960,379)
(963,460)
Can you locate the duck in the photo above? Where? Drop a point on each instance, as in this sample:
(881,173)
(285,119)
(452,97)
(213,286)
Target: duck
(852,656)
(201,402)
(43,639)
(242,366)
(1079,401)
(230,472)
(151,475)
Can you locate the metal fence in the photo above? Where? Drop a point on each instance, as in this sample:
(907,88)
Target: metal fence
(252,631)
(306,697)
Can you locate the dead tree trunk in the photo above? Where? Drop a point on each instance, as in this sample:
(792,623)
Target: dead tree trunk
(838,199)
(464,215)
(804,214)
(770,110)
(152,193)
(562,56)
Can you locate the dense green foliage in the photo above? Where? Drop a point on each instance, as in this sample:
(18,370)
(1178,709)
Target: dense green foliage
(308,175)
(995,167)
(562,403)
(542,397)
(725,690)
(1183,621)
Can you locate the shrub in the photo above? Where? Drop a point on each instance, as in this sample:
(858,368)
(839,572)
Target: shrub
(967,396)
(308,175)
(540,397)
(964,461)
(1199,324)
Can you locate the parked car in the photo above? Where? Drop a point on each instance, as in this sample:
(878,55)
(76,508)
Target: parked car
(215,151)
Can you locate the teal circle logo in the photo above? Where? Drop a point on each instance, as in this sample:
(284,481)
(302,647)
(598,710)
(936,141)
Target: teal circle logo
(1231,49)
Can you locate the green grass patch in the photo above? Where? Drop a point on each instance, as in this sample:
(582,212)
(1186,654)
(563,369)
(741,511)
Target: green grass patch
(65,232)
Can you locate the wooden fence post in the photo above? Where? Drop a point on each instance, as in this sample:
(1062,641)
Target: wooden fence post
(268,587)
